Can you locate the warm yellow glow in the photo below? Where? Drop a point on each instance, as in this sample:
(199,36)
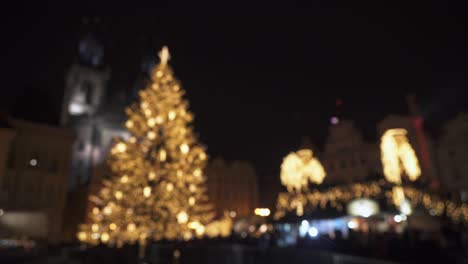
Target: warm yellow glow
(193,188)
(179,173)
(197,173)
(339,196)
(147,191)
(299,168)
(162,155)
(121,147)
(82,236)
(148,112)
(158,186)
(112,226)
(184,148)
(118,195)
(363,207)
(159,120)
(263,212)
(200,230)
(171,115)
(169,187)
(151,122)
(124,179)
(164,55)
(191,201)
(220,228)
(107,210)
(194,225)
(131,227)
(104,237)
(182,217)
(398,195)
(398,156)
(151,135)
(202,156)
(95,210)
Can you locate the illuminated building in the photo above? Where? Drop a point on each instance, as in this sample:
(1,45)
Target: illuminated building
(33,179)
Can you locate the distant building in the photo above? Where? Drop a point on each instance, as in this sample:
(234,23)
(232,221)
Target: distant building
(35,162)
(232,186)
(347,157)
(92,110)
(453,155)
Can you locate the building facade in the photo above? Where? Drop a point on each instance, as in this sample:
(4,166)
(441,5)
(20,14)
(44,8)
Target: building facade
(347,157)
(453,155)
(232,186)
(33,179)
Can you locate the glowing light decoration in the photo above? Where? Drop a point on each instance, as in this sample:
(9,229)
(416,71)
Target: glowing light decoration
(147,191)
(313,232)
(263,212)
(363,207)
(182,217)
(299,168)
(405,207)
(398,156)
(353,224)
(156,185)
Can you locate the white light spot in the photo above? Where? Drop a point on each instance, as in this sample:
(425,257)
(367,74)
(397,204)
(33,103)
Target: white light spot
(313,232)
(33,162)
(334,120)
(232,214)
(353,224)
(405,207)
(397,218)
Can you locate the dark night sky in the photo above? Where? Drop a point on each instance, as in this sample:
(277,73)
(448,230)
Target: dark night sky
(257,80)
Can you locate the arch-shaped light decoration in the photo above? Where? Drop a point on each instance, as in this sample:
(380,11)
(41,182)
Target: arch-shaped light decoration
(299,168)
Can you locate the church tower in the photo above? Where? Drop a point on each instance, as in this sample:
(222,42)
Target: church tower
(85,85)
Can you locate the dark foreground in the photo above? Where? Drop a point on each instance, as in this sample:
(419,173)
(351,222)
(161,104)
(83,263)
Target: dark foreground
(212,253)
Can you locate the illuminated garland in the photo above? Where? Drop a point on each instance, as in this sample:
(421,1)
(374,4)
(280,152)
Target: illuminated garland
(338,197)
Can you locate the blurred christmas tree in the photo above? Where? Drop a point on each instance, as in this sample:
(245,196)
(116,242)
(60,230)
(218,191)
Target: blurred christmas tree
(157,190)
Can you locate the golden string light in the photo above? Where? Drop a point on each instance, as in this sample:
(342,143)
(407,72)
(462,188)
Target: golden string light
(339,197)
